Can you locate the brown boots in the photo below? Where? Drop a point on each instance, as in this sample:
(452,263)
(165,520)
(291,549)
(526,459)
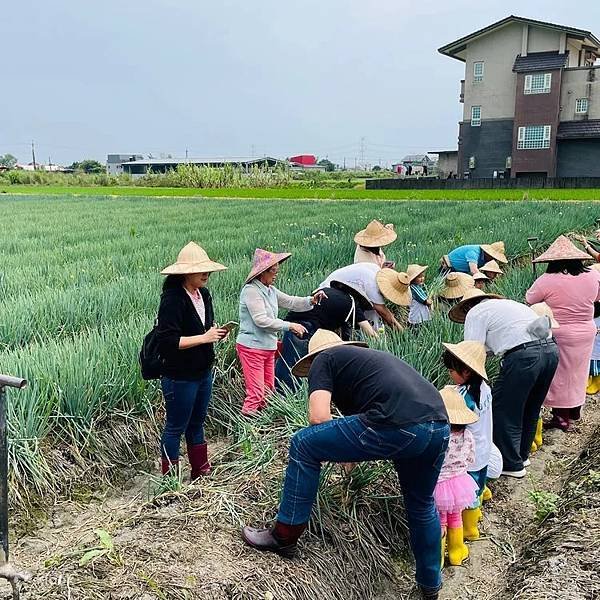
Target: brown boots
(198,457)
(280,538)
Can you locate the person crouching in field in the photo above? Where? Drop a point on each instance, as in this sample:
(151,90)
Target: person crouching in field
(471,257)
(341,309)
(480,281)
(455,489)
(390,413)
(186,334)
(370,241)
(466,365)
(256,344)
(420,305)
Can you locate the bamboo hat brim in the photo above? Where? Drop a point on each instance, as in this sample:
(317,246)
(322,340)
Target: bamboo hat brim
(263,260)
(394,286)
(458,413)
(496,251)
(323,339)
(192,259)
(562,248)
(491,267)
(456,285)
(375,235)
(471,353)
(458,312)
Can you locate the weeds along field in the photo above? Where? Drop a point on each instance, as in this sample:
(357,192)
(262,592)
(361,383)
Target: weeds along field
(80,286)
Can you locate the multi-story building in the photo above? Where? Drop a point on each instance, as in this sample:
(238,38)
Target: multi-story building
(531,97)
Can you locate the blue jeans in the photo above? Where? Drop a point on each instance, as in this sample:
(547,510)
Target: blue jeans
(418,453)
(292,350)
(186,404)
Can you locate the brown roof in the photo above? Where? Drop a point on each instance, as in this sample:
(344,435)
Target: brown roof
(540,61)
(453,48)
(568,130)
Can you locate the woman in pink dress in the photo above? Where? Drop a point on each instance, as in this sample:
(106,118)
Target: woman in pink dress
(570,289)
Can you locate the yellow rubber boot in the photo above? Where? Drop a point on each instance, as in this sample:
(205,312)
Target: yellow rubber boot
(471,518)
(537,440)
(443,556)
(593,386)
(534,446)
(457,549)
(487,494)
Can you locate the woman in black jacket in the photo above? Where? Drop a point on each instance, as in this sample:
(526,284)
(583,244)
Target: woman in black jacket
(186,334)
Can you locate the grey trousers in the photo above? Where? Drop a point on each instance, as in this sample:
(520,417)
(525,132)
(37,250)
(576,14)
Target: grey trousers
(517,398)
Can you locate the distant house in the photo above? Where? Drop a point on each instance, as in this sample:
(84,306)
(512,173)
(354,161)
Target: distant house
(447,164)
(41,167)
(141,166)
(530,96)
(418,164)
(305,162)
(114,162)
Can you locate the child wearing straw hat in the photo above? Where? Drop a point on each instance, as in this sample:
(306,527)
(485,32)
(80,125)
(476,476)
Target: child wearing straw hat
(420,305)
(186,334)
(455,489)
(480,280)
(256,343)
(491,269)
(466,365)
(369,243)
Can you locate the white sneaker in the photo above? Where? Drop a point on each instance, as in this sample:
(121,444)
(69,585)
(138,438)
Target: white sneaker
(516,474)
(526,463)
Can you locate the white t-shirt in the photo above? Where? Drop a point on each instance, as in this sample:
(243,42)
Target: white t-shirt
(482,430)
(365,274)
(500,324)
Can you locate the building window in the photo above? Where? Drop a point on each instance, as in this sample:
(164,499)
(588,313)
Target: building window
(475,116)
(534,137)
(478,71)
(581,106)
(538,83)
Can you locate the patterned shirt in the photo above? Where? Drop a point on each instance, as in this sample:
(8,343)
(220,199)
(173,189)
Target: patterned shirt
(198,303)
(459,456)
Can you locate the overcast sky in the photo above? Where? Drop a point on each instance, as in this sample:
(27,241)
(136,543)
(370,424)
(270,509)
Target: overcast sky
(84,78)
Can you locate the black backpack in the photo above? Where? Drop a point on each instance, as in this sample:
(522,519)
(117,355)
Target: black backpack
(150,360)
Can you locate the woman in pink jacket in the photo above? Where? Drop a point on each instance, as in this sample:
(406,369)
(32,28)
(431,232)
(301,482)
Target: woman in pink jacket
(570,289)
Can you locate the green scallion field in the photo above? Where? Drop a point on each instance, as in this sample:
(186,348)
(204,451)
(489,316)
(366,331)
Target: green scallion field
(80,283)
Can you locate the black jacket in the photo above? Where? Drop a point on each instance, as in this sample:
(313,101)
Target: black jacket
(177,317)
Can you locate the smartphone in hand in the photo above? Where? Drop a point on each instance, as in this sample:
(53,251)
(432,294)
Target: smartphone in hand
(229,326)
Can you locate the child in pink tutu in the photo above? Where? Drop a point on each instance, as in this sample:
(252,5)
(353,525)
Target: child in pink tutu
(456,489)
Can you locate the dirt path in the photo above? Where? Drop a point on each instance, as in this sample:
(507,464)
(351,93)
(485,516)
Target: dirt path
(163,551)
(510,515)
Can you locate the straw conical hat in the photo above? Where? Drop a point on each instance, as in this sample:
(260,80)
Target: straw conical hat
(413,271)
(562,248)
(321,340)
(470,353)
(192,259)
(472,297)
(375,235)
(480,276)
(455,285)
(263,260)
(394,286)
(458,413)
(496,251)
(491,267)
(543,310)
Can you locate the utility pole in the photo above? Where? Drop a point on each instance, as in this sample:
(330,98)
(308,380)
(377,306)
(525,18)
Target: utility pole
(344,163)
(362,151)
(186,154)
(33,154)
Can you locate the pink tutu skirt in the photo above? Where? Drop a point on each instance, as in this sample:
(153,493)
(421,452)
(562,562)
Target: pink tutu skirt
(455,494)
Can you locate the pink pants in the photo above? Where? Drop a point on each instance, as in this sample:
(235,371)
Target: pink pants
(450,520)
(258,367)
